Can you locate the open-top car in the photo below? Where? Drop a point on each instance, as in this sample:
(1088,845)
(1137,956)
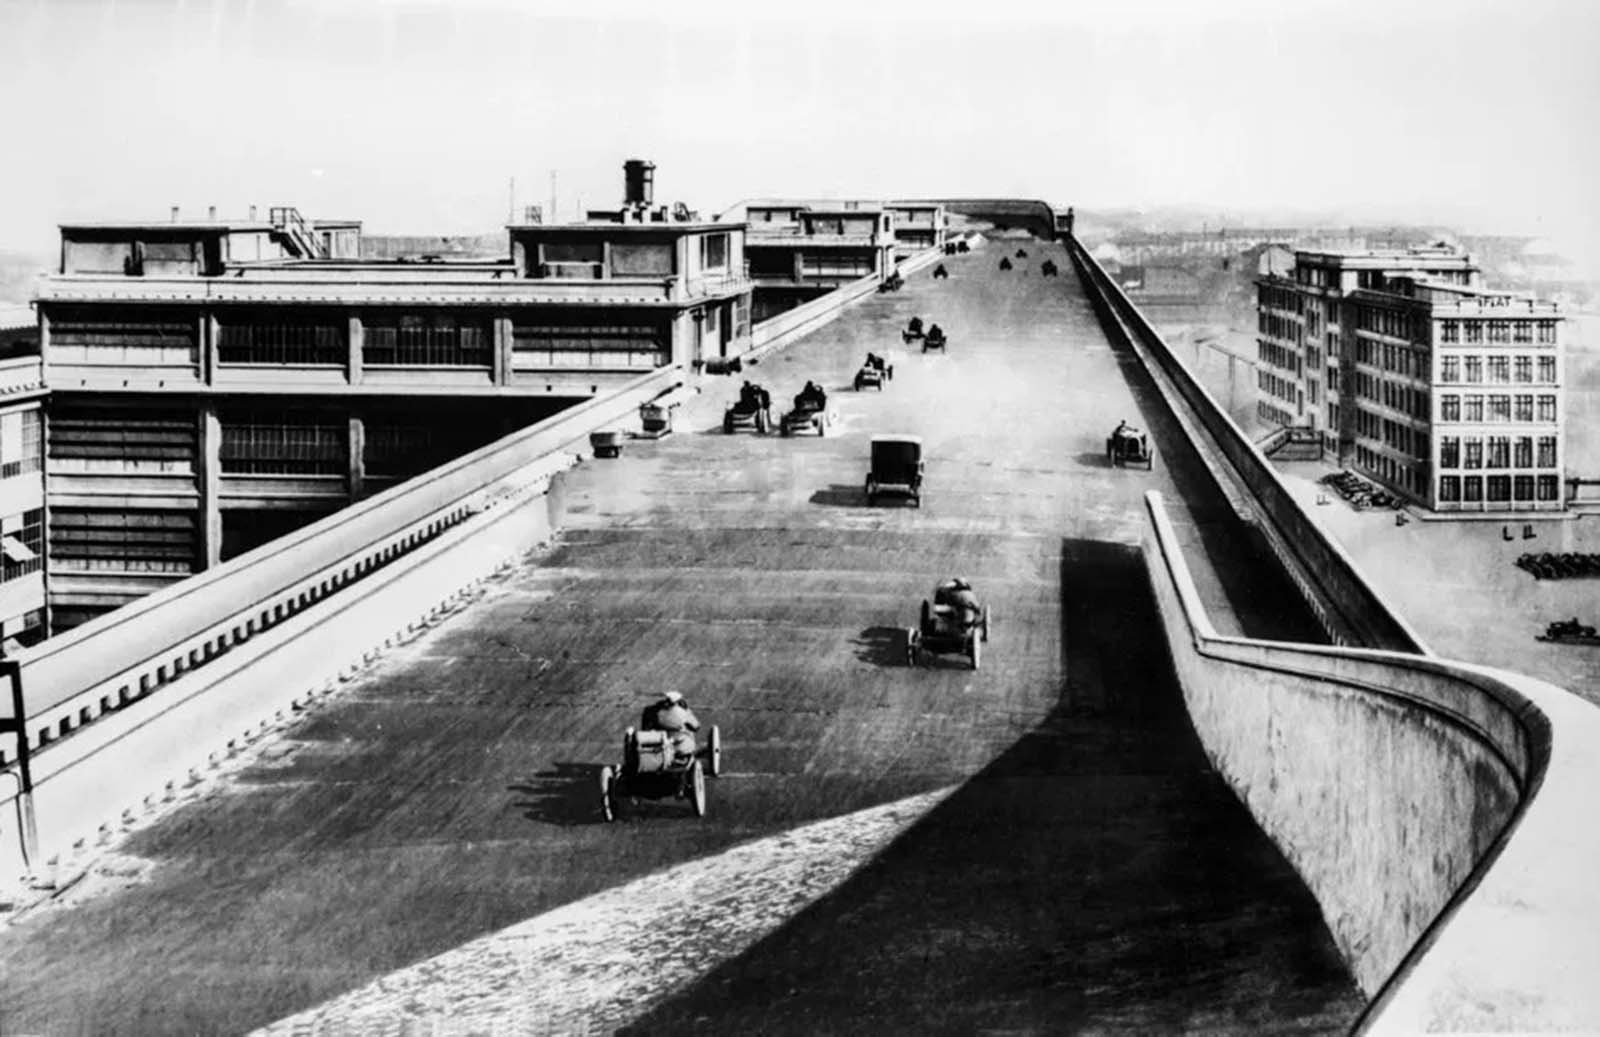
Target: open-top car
(896,468)
(874,371)
(810,412)
(1128,446)
(954,622)
(912,331)
(653,767)
(1570,631)
(752,410)
(934,339)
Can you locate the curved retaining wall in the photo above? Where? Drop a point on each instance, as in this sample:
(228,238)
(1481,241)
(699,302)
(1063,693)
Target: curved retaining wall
(1348,608)
(1426,804)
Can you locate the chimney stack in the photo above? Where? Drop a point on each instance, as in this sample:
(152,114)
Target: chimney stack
(211,214)
(638,178)
(174,214)
(252,214)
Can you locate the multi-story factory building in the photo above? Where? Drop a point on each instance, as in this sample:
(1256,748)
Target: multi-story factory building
(1446,392)
(216,384)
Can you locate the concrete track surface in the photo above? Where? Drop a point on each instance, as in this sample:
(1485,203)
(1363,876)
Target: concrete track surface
(1035,847)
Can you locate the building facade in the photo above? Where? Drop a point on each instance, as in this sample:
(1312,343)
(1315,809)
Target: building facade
(1415,374)
(22,551)
(918,226)
(216,385)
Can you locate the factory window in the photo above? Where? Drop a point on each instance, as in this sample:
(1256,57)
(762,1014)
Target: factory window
(284,442)
(1449,331)
(1474,454)
(1450,369)
(1499,331)
(1549,488)
(714,252)
(571,260)
(1474,408)
(1547,408)
(1522,487)
(123,540)
(126,441)
(1449,452)
(1522,331)
(21,544)
(20,447)
(301,338)
(433,340)
(1524,453)
(1547,369)
(1472,331)
(1524,368)
(147,336)
(396,446)
(834,266)
(633,259)
(1547,451)
(1472,489)
(1500,369)
(1499,408)
(1499,452)
(1547,332)
(1475,369)
(1499,487)
(579,340)
(1524,408)
(1449,488)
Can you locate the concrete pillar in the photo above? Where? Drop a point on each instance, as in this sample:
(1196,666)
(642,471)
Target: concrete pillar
(357,478)
(799,274)
(209,477)
(210,340)
(502,351)
(356,336)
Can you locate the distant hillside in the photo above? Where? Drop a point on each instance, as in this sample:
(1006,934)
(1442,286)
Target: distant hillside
(18,274)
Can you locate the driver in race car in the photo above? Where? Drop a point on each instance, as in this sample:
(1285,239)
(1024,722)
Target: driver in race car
(672,714)
(958,594)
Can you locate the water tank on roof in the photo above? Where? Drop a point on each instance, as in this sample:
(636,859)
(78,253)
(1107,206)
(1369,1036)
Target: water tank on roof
(639,179)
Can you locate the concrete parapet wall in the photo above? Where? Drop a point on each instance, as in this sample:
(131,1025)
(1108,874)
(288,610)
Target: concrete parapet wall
(1350,610)
(1424,804)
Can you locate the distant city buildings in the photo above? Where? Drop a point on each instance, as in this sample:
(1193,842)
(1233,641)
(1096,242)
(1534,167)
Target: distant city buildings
(1446,392)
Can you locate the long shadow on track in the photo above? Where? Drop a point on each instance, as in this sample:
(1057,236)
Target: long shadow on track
(1097,875)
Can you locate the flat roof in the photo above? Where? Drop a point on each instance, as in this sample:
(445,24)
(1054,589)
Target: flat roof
(607,227)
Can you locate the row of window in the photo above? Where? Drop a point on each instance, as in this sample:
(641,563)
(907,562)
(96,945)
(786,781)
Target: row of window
(1498,489)
(1475,332)
(1277,356)
(1388,356)
(1282,388)
(1497,452)
(1393,434)
(1405,398)
(1279,327)
(1395,473)
(1526,407)
(1387,322)
(1498,370)
(1280,298)
(1272,415)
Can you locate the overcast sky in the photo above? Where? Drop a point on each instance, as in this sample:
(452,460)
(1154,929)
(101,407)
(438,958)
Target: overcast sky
(414,115)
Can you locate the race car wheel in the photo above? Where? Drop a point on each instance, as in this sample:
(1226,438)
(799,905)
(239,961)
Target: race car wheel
(975,650)
(607,807)
(716,751)
(985,624)
(697,789)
